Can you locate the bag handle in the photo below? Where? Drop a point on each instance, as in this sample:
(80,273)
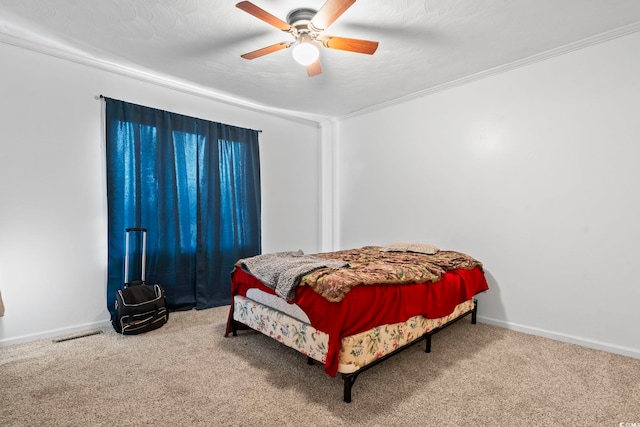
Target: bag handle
(126,253)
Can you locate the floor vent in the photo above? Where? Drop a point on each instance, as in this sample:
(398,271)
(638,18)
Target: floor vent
(76,336)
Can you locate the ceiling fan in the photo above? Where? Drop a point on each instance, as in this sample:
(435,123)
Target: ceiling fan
(307,28)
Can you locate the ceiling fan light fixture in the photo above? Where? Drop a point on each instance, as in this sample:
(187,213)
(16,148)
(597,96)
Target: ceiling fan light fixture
(305,53)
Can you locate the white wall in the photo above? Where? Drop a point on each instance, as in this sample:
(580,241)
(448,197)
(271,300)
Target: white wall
(53,221)
(533,171)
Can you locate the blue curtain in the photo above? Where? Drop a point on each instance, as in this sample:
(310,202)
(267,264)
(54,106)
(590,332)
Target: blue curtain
(195,186)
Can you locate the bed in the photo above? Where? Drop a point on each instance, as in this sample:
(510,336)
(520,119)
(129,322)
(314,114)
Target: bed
(352,309)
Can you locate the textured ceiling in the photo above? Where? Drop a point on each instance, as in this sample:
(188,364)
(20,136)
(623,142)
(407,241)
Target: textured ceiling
(423,44)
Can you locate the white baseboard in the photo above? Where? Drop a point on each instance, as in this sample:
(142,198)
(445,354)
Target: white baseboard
(56,333)
(596,345)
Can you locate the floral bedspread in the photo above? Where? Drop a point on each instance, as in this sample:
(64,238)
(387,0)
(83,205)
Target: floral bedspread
(371,266)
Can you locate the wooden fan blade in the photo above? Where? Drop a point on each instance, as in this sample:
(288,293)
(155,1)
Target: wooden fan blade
(352,45)
(266,50)
(314,69)
(328,13)
(262,14)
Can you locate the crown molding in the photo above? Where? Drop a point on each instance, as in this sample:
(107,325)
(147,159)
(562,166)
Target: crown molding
(160,80)
(299,117)
(562,50)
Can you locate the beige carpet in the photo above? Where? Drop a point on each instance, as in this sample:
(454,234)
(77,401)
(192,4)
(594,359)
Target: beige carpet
(187,374)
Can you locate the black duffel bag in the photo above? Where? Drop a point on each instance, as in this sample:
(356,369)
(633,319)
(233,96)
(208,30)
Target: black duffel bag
(140,308)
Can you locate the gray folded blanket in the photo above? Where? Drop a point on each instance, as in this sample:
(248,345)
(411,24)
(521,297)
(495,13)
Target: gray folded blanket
(282,271)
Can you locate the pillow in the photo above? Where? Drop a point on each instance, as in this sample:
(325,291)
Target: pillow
(411,247)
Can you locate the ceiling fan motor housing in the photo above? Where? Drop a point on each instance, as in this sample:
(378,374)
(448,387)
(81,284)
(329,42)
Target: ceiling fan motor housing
(299,18)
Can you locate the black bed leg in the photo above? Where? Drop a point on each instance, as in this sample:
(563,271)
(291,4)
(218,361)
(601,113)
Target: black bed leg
(427,348)
(234,328)
(348,384)
(474,312)
(309,360)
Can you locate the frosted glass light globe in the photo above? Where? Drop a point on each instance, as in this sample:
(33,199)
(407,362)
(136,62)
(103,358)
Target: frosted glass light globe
(305,53)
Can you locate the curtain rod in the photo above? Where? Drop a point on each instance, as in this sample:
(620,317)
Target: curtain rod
(104,97)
